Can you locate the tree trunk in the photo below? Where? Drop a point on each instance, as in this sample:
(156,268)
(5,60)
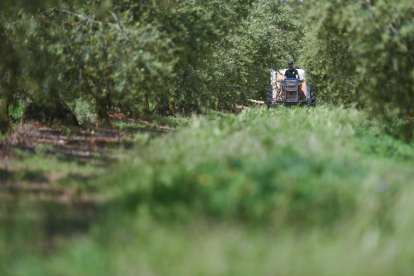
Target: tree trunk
(101,105)
(4,114)
(217,101)
(172,105)
(56,113)
(145,105)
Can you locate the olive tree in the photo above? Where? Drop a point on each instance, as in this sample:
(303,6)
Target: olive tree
(363,51)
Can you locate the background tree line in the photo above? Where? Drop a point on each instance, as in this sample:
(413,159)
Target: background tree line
(362,53)
(128,54)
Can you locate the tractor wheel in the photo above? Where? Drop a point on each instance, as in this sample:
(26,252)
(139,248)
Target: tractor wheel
(311,102)
(269,94)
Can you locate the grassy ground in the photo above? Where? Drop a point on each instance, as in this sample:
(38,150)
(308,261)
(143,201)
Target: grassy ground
(289,191)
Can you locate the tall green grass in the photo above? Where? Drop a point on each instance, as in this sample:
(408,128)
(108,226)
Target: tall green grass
(16,111)
(289,191)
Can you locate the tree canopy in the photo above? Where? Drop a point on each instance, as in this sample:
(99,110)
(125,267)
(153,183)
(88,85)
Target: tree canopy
(362,52)
(130,53)
(202,54)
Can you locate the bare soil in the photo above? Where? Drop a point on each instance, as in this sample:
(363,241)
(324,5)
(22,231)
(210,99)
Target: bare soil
(59,197)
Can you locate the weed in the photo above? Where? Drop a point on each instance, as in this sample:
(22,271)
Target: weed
(290,191)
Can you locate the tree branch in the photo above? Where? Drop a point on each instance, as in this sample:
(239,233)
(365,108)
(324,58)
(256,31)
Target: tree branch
(92,20)
(85,18)
(117,26)
(100,23)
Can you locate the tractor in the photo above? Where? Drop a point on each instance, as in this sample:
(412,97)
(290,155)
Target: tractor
(284,91)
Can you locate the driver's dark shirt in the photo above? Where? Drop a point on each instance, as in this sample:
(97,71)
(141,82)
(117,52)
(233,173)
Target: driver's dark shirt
(291,74)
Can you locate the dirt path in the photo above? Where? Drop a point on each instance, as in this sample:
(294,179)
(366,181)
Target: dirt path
(47,173)
(98,147)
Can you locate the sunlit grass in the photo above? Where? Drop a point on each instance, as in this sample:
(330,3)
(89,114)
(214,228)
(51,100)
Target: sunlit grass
(287,191)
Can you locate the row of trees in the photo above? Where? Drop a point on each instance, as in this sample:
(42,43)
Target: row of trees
(363,52)
(127,53)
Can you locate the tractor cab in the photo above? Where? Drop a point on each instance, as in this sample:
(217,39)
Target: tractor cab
(284,91)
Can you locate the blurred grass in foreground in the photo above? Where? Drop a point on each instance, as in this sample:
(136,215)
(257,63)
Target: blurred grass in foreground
(290,191)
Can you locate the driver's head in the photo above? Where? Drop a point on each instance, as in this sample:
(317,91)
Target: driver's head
(290,64)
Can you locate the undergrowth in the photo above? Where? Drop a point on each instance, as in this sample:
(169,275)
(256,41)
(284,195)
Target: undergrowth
(289,191)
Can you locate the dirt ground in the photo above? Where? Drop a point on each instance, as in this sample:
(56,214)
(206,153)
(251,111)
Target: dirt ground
(47,173)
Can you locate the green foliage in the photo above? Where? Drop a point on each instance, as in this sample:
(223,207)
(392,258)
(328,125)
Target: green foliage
(359,51)
(288,191)
(298,186)
(243,167)
(17,111)
(26,67)
(374,142)
(263,40)
(83,109)
(128,54)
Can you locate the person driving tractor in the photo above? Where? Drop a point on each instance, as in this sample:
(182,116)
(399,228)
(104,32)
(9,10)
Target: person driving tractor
(291,73)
